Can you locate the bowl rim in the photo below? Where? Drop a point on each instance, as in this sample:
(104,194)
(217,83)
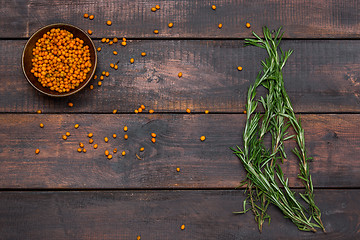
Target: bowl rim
(76,89)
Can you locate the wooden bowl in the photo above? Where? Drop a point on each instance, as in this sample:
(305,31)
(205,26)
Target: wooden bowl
(27,56)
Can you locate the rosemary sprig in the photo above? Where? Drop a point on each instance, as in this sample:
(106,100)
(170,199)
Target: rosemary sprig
(261,162)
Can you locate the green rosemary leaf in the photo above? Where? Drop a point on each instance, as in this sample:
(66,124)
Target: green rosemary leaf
(264,173)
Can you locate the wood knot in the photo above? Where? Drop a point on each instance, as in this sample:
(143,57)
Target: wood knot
(154,77)
(335,135)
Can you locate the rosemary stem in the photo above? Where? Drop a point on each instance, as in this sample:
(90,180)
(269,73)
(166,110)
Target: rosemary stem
(259,161)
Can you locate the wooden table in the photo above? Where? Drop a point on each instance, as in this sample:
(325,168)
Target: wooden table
(63,194)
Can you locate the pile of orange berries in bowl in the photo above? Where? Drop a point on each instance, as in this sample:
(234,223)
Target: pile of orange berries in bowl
(60,60)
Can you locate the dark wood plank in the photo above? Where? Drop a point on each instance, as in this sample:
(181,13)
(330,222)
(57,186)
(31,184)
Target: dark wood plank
(333,141)
(159,215)
(192,19)
(321,76)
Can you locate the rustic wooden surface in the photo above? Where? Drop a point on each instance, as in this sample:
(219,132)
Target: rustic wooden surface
(206,214)
(321,76)
(331,139)
(63,194)
(192,19)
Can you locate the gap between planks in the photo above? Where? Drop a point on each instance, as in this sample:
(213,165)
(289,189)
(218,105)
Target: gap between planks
(201,38)
(151,189)
(173,113)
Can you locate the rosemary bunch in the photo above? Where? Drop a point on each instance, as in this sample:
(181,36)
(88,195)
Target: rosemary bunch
(262,162)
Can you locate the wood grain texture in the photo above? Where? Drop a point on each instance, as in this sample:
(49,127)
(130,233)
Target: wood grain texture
(333,141)
(63,194)
(321,76)
(192,19)
(159,214)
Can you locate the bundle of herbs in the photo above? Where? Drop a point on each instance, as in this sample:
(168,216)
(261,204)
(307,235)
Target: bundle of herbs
(265,181)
